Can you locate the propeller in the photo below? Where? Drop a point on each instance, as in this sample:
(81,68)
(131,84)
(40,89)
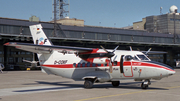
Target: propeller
(148,51)
(109,55)
(130,48)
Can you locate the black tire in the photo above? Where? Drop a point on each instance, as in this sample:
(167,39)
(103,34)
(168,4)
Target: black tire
(88,84)
(143,86)
(115,83)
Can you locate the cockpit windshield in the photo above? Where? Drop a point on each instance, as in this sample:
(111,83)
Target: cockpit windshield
(135,58)
(142,57)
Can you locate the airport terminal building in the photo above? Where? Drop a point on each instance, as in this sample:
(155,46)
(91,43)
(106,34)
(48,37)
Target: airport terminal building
(73,32)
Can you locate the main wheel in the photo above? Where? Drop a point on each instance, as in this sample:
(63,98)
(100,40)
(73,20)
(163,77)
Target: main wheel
(88,84)
(115,83)
(143,86)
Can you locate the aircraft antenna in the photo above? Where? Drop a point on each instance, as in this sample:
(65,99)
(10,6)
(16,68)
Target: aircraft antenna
(161,10)
(63,8)
(60,11)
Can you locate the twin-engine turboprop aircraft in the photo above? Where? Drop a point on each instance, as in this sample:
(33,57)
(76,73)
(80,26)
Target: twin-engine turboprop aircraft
(93,65)
(34,64)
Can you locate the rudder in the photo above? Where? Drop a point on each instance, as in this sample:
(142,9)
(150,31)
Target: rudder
(38,35)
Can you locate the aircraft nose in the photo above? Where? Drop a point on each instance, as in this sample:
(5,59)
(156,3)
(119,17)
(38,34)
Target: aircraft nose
(171,72)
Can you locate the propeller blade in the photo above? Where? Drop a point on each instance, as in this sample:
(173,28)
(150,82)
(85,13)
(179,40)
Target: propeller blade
(114,58)
(104,49)
(34,56)
(138,49)
(115,49)
(27,61)
(130,48)
(148,51)
(110,66)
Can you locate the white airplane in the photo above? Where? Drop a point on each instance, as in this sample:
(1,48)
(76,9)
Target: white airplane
(93,65)
(1,67)
(34,64)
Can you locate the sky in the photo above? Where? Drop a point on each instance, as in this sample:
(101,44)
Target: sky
(107,13)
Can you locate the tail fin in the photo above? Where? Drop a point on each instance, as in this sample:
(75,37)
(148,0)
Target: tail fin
(39,37)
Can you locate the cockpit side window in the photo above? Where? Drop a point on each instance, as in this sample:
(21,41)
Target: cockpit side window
(128,57)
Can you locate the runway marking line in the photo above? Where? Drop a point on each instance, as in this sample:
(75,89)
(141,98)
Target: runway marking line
(123,94)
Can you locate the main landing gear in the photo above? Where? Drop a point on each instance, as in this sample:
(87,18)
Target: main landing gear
(88,83)
(115,83)
(145,84)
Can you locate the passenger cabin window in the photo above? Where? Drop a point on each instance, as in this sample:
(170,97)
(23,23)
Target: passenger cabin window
(74,64)
(93,65)
(143,58)
(88,64)
(79,65)
(83,64)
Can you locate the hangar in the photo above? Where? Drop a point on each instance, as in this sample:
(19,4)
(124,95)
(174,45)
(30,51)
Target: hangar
(73,32)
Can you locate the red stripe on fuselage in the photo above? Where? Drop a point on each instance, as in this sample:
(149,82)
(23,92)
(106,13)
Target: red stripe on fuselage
(60,66)
(150,65)
(126,63)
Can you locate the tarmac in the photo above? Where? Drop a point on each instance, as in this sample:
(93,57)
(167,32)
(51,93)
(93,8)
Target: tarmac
(38,86)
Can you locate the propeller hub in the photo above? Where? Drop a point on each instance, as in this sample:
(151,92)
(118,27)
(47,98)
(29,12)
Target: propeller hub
(110,54)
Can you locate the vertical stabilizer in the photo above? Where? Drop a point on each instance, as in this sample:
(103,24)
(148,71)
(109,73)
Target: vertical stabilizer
(39,37)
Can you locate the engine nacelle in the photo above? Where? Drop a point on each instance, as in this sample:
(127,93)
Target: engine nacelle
(100,60)
(97,60)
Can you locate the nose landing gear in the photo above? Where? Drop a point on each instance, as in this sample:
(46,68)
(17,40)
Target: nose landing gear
(145,84)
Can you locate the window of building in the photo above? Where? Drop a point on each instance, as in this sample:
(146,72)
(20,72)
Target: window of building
(10,60)
(1,59)
(28,53)
(23,53)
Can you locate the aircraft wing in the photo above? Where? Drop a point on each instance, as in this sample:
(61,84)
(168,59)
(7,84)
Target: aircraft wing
(47,48)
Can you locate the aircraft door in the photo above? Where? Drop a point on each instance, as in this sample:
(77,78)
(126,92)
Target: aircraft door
(121,64)
(127,66)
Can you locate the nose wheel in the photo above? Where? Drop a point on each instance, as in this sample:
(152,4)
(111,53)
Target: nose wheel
(145,84)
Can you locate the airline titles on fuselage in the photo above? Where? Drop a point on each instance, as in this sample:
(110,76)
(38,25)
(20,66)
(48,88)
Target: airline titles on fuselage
(105,69)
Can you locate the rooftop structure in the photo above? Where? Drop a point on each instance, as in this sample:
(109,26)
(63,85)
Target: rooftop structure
(166,23)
